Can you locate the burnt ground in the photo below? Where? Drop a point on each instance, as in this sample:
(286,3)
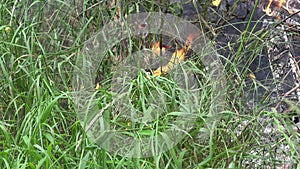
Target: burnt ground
(274,63)
(271,53)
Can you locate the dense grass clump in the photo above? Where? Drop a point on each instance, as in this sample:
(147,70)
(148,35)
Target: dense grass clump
(39,123)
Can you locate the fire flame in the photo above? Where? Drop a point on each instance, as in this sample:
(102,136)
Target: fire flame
(157,50)
(177,57)
(268,10)
(280,4)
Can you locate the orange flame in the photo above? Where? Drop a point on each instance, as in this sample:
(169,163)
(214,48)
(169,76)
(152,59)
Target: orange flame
(177,57)
(267,9)
(157,50)
(280,4)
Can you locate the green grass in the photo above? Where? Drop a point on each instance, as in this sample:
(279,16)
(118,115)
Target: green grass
(39,122)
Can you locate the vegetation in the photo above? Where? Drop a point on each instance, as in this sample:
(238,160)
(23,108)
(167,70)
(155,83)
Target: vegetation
(40,124)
